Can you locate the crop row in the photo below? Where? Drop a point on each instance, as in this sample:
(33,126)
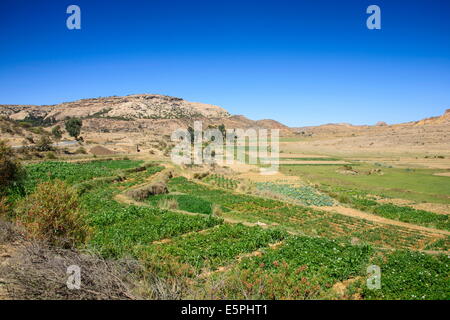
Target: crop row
(302,268)
(310,268)
(74,172)
(362,201)
(308,221)
(221,181)
(214,248)
(305,195)
(120,228)
(183,202)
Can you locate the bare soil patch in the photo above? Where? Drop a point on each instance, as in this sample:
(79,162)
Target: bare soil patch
(101,151)
(443,174)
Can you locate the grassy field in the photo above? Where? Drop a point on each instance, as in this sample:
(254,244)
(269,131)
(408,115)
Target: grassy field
(413,184)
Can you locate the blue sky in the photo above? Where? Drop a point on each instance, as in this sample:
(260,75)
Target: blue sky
(298,62)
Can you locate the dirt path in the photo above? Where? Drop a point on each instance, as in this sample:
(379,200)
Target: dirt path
(7,251)
(374,218)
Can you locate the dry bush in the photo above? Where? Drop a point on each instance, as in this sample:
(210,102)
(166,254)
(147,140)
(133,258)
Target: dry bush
(52,213)
(51,155)
(80,150)
(246,187)
(216,210)
(38,271)
(168,204)
(8,232)
(144,192)
(5,208)
(200,175)
(44,144)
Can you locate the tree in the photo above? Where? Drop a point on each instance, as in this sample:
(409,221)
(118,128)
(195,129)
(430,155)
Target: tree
(73,127)
(222,130)
(56,132)
(192,134)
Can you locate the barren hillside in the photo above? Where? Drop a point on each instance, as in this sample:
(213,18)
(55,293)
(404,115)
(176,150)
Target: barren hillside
(428,135)
(144,112)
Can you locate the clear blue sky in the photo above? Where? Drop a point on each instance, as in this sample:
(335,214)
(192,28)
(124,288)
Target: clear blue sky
(299,62)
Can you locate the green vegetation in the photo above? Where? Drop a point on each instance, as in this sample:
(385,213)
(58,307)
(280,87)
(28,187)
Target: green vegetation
(361,201)
(11,172)
(305,195)
(405,214)
(259,248)
(73,127)
(410,275)
(302,268)
(120,228)
(221,181)
(303,220)
(417,185)
(74,172)
(215,247)
(53,214)
(185,202)
(57,132)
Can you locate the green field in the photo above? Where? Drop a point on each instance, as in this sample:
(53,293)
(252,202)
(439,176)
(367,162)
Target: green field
(260,247)
(412,184)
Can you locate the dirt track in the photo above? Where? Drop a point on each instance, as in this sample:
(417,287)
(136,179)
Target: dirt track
(374,218)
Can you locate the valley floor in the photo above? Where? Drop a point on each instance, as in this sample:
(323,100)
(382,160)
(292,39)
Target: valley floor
(308,232)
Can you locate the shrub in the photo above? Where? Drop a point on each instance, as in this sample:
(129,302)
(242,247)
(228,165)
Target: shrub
(11,172)
(81,150)
(216,210)
(56,132)
(51,155)
(44,144)
(53,213)
(4,207)
(30,139)
(144,192)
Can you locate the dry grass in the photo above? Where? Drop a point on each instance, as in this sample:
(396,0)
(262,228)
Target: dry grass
(168,204)
(38,271)
(216,210)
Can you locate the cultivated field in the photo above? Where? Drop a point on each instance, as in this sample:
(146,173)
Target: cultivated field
(308,232)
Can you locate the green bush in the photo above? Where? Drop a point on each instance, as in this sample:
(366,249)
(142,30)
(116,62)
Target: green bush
(56,132)
(53,214)
(73,127)
(11,172)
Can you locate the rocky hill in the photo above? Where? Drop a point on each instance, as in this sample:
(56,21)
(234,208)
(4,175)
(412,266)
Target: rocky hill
(153,112)
(143,106)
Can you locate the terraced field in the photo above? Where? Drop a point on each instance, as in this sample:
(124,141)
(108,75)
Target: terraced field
(221,243)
